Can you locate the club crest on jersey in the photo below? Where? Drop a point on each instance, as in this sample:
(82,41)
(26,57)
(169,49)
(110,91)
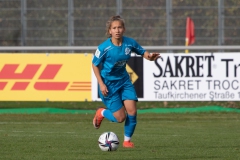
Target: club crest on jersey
(127,51)
(97,53)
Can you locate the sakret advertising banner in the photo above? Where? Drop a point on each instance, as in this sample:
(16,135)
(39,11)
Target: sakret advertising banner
(193,77)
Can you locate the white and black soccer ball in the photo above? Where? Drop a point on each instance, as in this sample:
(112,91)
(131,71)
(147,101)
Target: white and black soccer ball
(108,141)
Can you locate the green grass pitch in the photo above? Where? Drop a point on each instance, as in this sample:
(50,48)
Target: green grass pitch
(198,136)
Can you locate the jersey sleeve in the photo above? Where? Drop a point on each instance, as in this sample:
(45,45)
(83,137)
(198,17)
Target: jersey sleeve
(137,48)
(98,57)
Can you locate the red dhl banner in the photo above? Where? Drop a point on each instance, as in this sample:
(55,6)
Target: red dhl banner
(45,77)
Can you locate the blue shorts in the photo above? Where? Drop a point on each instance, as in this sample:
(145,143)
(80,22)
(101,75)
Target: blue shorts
(118,91)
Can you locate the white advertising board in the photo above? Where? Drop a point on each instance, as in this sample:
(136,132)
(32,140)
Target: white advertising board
(193,77)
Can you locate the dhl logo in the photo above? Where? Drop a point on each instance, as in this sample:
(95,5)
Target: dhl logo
(23,79)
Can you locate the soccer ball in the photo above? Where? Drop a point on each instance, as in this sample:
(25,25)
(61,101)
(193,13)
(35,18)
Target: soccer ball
(108,141)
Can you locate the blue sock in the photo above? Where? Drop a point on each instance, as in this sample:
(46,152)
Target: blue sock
(109,115)
(130,124)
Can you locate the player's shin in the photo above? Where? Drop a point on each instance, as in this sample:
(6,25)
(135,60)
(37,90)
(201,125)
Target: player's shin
(129,127)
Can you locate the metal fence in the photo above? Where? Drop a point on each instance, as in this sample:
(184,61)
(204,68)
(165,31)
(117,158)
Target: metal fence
(150,22)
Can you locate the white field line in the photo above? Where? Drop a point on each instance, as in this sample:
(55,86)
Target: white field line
(31,133)
(19,131)
(39,122)
(33,123)
(22,133)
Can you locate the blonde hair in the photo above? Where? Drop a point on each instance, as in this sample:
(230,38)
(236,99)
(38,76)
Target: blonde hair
(109,22)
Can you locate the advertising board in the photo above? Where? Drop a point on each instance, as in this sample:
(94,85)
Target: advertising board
(45,77)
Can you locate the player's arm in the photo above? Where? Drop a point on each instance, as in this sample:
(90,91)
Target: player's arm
(151,56)
(96,71)
(97,59)
(103,87)
(139,50)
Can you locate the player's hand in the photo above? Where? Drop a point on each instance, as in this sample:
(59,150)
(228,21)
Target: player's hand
(104,90)
(153,56)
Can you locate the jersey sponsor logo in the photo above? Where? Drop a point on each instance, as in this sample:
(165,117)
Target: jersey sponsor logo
(127,51)
(97,53)
(120,63)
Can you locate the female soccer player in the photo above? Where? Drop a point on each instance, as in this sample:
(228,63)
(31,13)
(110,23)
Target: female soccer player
(115,87)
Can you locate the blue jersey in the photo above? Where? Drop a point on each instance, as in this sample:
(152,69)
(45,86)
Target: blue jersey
(114,58)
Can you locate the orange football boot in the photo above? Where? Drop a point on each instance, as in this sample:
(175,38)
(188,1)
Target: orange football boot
(97,120)
(128,144)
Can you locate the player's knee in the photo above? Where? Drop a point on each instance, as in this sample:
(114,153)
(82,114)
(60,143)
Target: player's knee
(121,119)
(132,112)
